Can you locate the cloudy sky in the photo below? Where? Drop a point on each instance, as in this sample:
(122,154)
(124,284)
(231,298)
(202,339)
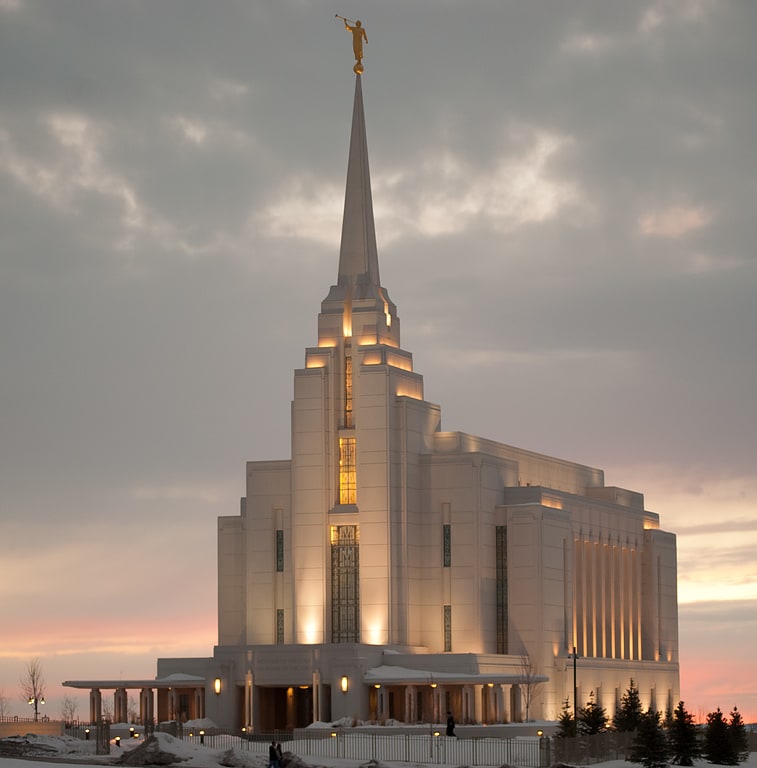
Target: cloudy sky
(565,196)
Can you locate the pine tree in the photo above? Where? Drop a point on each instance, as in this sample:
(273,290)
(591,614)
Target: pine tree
(718,747)
(737,736)
(682,736)
(566,724)
(592,718)
(650,746)
(629,713)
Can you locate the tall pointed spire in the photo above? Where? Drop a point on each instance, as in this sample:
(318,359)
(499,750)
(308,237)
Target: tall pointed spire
(357,305)
(358,257)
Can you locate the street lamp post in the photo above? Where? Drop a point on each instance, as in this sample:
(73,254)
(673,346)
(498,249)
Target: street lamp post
(36,701)
(574,656)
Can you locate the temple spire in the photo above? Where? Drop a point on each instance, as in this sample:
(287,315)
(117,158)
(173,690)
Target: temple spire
(358,257)
(357,306)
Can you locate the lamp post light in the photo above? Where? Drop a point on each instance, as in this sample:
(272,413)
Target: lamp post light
(574,656)
(36,702)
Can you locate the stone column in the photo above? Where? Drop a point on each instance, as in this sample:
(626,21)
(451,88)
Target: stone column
(316,695)
(499,704)
(95,706)
(290,708)
(120,706)
(381,704)
(436,694)
(491,705)
(410,716)
(515,712)
(478,703)
(146,706)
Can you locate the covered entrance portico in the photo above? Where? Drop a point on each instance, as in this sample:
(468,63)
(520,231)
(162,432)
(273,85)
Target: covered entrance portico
(175,697)
(415,696)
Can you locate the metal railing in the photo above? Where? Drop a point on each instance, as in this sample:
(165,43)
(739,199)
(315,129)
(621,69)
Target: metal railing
(525,751)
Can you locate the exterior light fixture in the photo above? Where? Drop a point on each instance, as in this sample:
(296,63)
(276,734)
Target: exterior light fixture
(202,737)
(433,685)
(377,685)
(118,741)
(333,734)
(217,685)
(436,733)
(35,701)
(86,734)
(345,684)
(540,733)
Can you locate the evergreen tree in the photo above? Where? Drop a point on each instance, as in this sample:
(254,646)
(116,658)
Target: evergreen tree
(737,736)
(718,747)
(592,718)
(566,724)
(650,746)
(629,713)
(682,736)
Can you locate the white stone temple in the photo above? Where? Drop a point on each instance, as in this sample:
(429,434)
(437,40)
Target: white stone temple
(391,570)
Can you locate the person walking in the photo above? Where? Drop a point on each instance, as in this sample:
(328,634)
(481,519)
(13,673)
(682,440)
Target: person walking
(273,756)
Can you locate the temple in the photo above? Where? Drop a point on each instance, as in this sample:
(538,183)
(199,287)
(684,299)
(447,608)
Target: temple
(392,570)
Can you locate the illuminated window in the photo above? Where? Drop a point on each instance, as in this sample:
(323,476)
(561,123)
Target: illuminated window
(345,584)
(348,392)
(501,578)
(447,628)
(347,471)
(279,550)
(447,546)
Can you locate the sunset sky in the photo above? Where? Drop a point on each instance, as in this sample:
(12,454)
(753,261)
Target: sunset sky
(566,212)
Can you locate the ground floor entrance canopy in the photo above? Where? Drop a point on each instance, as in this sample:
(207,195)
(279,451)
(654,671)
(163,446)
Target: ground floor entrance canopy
(179,697)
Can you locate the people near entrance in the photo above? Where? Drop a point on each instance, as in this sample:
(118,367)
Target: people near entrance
(279,754)
(450,724)
(273,756)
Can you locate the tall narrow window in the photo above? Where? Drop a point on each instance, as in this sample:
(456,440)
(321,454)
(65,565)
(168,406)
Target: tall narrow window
(448,628)
(345,584)
(279,550)
(348,392)
(279,626)
(446,546)
(347,471)
(501,577)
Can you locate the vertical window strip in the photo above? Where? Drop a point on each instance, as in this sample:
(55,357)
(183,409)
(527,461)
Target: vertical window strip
(279,626)
(345,584)
(347,470)
(447,545)
(448,628)
(501,579)
(279,550)
(348,392)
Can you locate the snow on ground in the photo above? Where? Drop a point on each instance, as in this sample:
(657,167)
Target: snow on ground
(67,751)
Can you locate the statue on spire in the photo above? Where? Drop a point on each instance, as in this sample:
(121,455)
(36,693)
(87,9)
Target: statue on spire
(358,36)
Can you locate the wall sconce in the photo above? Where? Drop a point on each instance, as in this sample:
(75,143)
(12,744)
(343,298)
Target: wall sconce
(345,684)
(377,685)
(217,685)
(433,685)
